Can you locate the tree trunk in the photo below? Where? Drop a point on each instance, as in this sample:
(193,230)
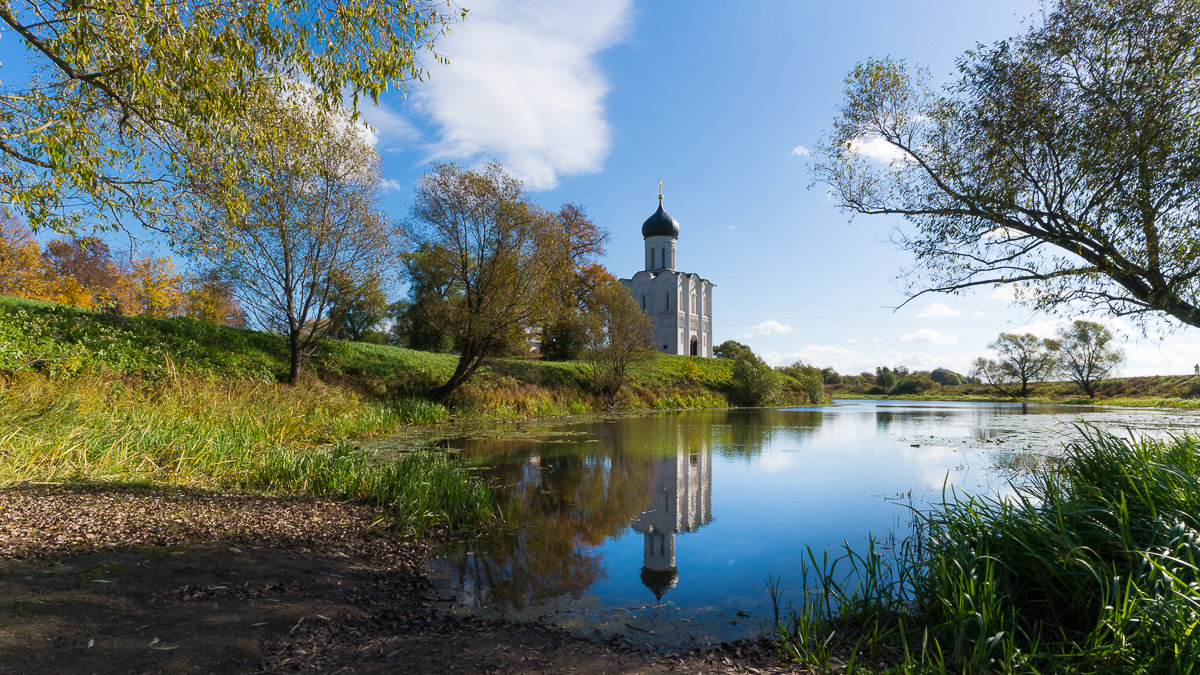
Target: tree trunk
(296,355)
(467,363)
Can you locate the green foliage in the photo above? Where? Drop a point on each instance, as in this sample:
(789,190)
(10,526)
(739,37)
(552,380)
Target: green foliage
(564,339)
(808,380)
(1091,567)
(885,379)
(1061,160)
(915,383)
(729,349)
(356,308)
(1086,354)
(754,382)
(119,104)
(946,378)
(1021,359)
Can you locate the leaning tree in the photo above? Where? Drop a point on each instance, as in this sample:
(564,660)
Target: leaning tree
(1064,161)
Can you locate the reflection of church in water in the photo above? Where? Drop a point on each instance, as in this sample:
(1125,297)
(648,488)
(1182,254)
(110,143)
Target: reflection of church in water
(681,502)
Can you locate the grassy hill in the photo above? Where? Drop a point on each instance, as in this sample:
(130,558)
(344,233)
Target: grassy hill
(59,340)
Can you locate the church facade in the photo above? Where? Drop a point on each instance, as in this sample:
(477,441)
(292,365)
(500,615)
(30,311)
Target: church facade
(679,303)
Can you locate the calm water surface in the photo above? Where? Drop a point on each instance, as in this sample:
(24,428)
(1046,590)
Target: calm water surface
(664,527)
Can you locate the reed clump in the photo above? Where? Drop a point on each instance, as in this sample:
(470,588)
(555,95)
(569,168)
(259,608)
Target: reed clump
(1093,566)
(230,434)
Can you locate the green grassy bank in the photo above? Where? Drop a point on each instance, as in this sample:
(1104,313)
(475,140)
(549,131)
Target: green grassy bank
(1092,568)
(90,397)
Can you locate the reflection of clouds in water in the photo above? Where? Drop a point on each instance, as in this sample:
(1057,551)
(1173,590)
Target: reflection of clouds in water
(777,460)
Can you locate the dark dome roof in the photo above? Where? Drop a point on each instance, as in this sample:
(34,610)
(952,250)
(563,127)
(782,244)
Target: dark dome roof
(659,581)
(661,224)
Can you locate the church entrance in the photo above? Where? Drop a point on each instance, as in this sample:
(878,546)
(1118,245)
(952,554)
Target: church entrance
(695,347)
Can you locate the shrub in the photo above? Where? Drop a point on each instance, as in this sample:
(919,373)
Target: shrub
(754,382)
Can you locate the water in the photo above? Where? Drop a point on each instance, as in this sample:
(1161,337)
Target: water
(663,528)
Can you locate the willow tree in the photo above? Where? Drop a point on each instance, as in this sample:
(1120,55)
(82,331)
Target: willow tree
(120,95)
(498,251)
(1064,161)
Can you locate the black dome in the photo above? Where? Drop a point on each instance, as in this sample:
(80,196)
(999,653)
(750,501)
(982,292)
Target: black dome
(659,581)
(661,224)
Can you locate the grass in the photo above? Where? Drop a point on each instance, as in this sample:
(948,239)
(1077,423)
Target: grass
(1094,566)
(230,434)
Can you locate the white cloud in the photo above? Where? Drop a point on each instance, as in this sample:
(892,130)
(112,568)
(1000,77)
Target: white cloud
(929,336)
(387,128)
(773,327)
(879,150)
(978,312)
(389,185)
(523,87)
(801,151)
(937,310)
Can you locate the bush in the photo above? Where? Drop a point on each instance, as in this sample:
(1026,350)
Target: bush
(913,384)
(754,382)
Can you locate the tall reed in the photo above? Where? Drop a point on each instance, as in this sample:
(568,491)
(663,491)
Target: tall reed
(1093,566)
(227,434)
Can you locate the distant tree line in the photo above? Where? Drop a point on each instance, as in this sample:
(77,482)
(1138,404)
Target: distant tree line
(1082,352)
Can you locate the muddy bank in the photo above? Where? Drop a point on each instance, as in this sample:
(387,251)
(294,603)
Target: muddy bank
(98,579)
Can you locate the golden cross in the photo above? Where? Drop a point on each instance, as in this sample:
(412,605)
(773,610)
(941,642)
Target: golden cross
(660,189)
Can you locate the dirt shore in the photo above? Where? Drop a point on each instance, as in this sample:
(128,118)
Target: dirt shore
(96,579)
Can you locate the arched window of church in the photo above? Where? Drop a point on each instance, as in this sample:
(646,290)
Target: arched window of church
(643,302)
(667,299)
(651,258)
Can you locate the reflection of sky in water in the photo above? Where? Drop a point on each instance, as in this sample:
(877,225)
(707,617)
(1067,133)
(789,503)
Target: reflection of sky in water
(702,507)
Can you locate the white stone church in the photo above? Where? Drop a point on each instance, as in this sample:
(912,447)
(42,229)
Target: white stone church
(679,303)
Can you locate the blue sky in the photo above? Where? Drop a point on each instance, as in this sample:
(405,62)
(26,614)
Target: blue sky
(594,101)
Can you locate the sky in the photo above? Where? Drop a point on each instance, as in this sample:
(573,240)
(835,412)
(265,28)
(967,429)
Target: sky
(595,101)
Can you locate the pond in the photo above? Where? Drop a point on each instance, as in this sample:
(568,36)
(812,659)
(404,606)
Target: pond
(663,528)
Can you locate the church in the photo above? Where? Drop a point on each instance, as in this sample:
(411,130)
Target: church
(679,303)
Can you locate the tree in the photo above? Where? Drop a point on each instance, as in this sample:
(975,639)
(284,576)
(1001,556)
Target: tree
(311,224)
(80,272)
(21,273)
(210,298)
(1020,359)
(754,382)
(1086,354)
(429,289)
(619,335)
(565,334)
(729,349)
(118,101)
(885,379)
(1063,161)
(945,377)
(498,251)
(356,308)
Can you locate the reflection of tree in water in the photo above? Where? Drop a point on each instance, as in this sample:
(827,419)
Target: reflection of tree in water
(567,496)
(570,495)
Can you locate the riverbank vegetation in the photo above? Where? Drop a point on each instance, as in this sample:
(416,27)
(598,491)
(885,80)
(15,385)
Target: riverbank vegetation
(1091,567)
(90,396)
